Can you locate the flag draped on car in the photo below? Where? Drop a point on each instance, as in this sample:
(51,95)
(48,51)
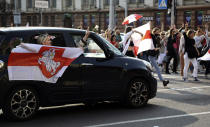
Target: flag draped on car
(206,57)
(142,43)
(43,63)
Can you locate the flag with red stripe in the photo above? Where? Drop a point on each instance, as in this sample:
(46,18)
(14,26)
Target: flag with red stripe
(142,43)
(206,57)
(45,63)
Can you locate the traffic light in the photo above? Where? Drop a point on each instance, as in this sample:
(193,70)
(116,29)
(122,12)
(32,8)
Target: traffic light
(169,6)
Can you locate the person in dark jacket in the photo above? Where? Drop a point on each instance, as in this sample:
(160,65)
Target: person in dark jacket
(171,52)
(152,54)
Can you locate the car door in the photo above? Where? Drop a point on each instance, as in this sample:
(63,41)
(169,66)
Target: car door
(68,87)
(100,75)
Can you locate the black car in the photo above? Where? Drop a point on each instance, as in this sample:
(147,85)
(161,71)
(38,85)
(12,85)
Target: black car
(106,75)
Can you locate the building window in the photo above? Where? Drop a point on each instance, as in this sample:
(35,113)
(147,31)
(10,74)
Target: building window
(106,2)
(68,3)
(140,1)
(68,20)
(157,20)
(199,18)
(132,1)
(92,2)
(116,2)
(189,2)
(52,3)
(18,3)
(45,20)
(187,17)
(85,21)
(93,21)
(4,20)
(85,3)
(106,21)
(52,20)
(29,20)
(34,21)
(168,20)
(29,3)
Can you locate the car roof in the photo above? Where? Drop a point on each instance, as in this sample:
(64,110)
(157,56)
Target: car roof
(9,29)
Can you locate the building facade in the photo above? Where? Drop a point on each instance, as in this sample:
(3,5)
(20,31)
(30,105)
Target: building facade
(84,13)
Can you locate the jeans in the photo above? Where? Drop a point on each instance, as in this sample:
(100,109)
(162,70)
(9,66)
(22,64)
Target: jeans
(182,63)
(174,56)
(153,61)
(187,61)
(207,65)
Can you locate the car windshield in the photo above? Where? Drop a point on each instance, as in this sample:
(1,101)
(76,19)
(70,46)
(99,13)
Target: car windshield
(111,47)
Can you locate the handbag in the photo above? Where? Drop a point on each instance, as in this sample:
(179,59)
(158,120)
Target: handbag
(205,50)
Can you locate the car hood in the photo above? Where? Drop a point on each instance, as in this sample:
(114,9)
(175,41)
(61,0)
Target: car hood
(133,63)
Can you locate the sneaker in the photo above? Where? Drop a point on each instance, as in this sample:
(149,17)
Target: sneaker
(185,80)
(167,72)
(165,83)
(175,72)
(196,79)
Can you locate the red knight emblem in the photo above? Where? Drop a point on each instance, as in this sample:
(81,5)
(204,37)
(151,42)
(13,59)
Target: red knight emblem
(50,60)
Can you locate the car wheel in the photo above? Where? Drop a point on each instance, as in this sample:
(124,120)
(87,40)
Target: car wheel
(21,104)
(137,93)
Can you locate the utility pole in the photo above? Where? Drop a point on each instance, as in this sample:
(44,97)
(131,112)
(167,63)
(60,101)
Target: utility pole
(111,14)
(126,8)
(173,13)
(99,16)
(41,22)
(15,2)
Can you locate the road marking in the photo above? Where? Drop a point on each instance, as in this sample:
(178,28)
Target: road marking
(149,119)
(183,89)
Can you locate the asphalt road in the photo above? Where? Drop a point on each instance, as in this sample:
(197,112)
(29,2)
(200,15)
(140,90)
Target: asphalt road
(181,105)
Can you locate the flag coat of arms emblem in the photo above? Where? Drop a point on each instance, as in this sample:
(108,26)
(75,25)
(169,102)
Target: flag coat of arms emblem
(47,63)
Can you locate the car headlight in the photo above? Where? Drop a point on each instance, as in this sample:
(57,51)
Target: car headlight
(1,64)
(148,65)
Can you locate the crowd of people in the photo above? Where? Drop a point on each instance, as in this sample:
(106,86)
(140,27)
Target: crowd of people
(183,45)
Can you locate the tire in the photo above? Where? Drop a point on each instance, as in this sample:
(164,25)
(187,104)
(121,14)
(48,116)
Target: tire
(137,94)
(21,104)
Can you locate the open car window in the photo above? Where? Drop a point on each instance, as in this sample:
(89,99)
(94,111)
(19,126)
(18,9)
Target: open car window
(57,39)
(91,49)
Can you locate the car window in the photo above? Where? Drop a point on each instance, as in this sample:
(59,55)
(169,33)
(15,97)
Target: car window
(92,49)
(57,39)
(9,43)
(2,36)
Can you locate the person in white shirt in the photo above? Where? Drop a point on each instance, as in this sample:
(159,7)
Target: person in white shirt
(199,38)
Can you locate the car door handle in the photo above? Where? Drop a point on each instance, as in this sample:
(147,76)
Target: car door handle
(87,64)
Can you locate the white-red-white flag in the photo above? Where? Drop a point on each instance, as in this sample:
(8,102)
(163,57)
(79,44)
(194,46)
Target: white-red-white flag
(206,57)
(44,63)
(131,18)
(142,43)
